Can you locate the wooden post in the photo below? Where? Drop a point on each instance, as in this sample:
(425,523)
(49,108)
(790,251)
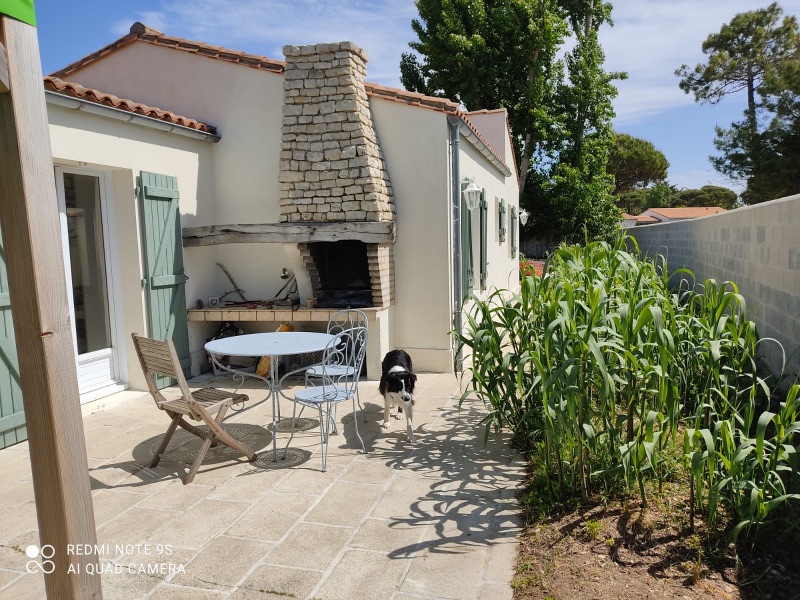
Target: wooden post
(40,308)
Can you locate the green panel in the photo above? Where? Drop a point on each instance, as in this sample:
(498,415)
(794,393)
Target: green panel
(21,10)
(163,257)
(484,208)
(501,220)
(12,412)
(468,270)
(513,231)
(159,192)
(167,280)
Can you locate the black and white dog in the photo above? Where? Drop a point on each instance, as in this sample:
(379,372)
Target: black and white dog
(397,388)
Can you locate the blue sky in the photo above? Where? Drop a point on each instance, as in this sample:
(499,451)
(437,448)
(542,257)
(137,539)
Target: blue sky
(650,39)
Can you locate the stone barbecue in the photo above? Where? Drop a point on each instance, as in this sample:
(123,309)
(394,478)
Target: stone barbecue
(332,168)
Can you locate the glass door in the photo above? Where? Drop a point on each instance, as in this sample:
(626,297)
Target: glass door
(85,240)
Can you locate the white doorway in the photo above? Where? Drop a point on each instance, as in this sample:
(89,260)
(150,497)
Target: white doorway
(86,212)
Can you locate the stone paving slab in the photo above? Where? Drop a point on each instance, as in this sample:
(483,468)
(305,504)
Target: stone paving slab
(438,520)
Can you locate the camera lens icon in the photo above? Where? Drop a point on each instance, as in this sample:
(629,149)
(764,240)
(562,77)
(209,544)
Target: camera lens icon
(46,565)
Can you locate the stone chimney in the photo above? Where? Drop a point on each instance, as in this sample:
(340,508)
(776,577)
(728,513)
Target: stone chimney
(332,168)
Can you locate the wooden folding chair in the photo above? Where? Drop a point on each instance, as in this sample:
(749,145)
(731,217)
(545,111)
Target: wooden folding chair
(159,358)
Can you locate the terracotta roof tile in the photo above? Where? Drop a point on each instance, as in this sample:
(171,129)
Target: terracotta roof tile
(142,33)
(74,90)
(412,98)
(646,219)
(691,212)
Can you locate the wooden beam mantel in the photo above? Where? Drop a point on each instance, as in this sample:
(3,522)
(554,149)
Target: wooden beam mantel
(370,232)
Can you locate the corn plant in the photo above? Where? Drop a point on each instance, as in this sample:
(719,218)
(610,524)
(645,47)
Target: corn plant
(596,364)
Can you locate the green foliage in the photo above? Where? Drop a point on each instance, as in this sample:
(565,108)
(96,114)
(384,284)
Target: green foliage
(489,55)
(757,52)
(708,195)
(664,195)
(741,56)
(661,195)
(572,191)
(635,163)
(503,53)
(597,365)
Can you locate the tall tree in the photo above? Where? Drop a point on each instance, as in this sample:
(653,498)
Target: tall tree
(574,189)
(489,55)
(757,52)
(635,163)
(742,56)
(770,165)
(502,53)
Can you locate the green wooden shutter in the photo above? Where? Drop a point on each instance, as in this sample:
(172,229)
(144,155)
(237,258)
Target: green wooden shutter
(164,279)
(484,208)
(513,231)
(501,220)
(468,272)
(12,412)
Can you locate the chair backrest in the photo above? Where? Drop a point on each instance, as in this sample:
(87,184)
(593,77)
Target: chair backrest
(346,319)
(347,349)
(158,357)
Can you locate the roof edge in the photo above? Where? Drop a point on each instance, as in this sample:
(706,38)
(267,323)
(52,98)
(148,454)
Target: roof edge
(86,97)
(479,143)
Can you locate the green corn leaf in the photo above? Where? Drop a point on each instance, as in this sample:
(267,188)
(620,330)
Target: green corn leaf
(697,461)
(649,451)
(591,435)
(708,438)
(761,429)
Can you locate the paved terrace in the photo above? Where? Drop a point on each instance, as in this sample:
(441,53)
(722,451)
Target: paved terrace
(432,521)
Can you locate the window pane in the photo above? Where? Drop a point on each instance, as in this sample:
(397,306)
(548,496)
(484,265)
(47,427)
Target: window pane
(87,262)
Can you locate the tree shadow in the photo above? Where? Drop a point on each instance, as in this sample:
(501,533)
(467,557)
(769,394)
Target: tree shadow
(179,456)
(471,499)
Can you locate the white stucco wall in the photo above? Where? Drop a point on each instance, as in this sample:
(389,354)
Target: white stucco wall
(123,150)
(244,104)
(503,268)
(415,146)
(493,126)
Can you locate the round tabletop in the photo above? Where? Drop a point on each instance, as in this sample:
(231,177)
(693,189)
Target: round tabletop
(279,343)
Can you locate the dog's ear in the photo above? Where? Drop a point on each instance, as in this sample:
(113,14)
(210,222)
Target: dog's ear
(414,377)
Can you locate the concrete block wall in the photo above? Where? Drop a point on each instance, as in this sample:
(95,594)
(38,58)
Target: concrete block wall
(758,248)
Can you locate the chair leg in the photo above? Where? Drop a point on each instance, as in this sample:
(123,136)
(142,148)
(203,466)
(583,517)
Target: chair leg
(165,442)
(220,435)
(199,459)
(294,420)
(332,414)
(323,437)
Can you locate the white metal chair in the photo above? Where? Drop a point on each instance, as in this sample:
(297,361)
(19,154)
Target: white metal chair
(208,405)
(340,321)
(338,376)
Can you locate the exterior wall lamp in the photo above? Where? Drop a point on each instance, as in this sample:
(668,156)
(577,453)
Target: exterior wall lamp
(523,216)
(471,193)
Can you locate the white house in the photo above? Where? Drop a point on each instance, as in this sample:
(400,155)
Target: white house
(259,165)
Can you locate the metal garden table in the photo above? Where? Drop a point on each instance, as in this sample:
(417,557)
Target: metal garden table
(275,345)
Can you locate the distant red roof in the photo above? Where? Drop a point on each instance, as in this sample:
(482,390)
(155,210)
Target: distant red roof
(691,212)
(75,90)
